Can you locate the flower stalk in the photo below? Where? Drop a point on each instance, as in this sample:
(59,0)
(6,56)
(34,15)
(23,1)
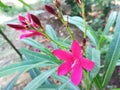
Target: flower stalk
(48,37)
(81,4)
(59,15)
(11,44)
(84,17)
(86,79)
(65,23)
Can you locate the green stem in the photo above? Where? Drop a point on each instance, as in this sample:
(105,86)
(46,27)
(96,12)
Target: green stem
(11,44)
(47,36)
(64,22)
(86,79)
(84,17)
(80,87)
(90,85)
(25,4)
(66,38)
(71,33)
(54,41)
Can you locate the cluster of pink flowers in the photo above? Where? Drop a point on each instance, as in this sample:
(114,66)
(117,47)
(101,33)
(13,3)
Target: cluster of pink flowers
(28,26)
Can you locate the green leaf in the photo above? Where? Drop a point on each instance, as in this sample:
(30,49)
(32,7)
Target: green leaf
(110,22)
(25,4)
(66,43)
(78,22)
(2,5)
(51,32)
(37,45)
(116,89)
(31,55)
(42,48)
(94,55)
(11,84)
(113,54)
(34,72)
(101,41)
(118,63)
(98,82)
(28,55)
(47,87)
(34,84)
(63,86)
(22,66)
(63,79)
(50,89)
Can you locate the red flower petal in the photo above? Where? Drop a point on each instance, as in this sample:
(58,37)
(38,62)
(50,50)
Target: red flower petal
(64,68)
(63,55)
(50,10)
(29,17)
(76,49)
(76,75)
(35,20)
(29,35)
(87,64)
(16,26)
(22,20)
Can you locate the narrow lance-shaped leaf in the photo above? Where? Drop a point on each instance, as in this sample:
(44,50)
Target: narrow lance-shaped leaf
(101,41)
(21,66)
(25,4)
(28,54)
(33,72)
(116,89)
(50,31)
(98,82)
(36,45)
(113,54)
(42,48)
(63,79)
(63,86)
(79,22)
(38,81)
(11,84)
(31,55)
(110,22)
(2,5)
(94,55)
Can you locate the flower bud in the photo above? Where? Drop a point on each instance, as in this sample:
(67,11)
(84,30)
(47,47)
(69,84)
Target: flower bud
(51,10)
(57,4)
(36,21)
(17,26)
(84,41)
(78,2)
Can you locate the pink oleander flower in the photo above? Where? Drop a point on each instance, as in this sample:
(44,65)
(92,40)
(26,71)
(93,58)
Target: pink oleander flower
(28,26)
(74,62)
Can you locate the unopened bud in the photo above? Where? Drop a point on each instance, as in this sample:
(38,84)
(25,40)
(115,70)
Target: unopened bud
(57,3)
(84,41)
(50,10)
(78,2)
(36,21)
